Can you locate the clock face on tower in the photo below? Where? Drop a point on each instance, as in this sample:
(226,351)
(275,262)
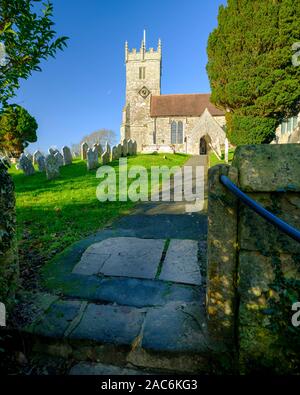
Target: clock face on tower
(144,92)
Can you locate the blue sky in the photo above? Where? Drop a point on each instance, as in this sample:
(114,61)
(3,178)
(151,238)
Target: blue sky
(83,89)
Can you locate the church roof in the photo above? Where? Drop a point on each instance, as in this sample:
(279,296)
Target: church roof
(182,105)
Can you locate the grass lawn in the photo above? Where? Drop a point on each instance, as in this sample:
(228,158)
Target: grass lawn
(213,160)
(51,215)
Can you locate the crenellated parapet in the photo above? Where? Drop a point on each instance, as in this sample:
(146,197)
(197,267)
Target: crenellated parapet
(142,54)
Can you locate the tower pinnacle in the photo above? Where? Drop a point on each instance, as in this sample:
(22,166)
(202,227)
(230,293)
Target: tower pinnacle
(159,45)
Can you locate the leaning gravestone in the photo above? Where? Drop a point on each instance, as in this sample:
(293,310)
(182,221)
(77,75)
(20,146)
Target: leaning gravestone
(41,163)
(60,159)
(105,158)
(67,156)
(92,158)
(52,167)
(125,148)
(99,149)
(83,150)
(26,165)
(36,155)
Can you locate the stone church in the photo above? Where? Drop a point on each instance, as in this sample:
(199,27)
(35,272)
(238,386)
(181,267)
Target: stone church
(187,123)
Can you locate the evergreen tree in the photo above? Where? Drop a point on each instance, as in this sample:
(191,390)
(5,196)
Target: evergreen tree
(17,129)
(250,66)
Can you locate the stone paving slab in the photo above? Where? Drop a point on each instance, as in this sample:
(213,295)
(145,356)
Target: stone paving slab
(90,263)
(131,256)
(144,293)
(99,369)
(57,319)
(110,324)
(175,327)
(161,225)
(181,263)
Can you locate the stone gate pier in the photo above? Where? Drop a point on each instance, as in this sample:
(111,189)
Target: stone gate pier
(253,273)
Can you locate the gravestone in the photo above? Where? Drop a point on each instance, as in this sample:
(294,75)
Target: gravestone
(92,158)
(75,155)
(96,155)
(105,158)
(41,163)
(95,146)
(114,153)
(130,147)
(120,150)
(59,158)
(107,147)
(99,148)
(52,167)
(125,148)
(83,150)
(36,155)
(67,156)
(52,151)
(30,157)
(26,165)
(134,147)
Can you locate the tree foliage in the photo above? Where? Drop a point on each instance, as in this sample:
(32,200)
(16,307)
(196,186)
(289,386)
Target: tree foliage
(249,130)
(26,37)
(250,61)
(17,129)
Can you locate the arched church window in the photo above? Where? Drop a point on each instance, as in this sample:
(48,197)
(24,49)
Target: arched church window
(180,133)
(173,132)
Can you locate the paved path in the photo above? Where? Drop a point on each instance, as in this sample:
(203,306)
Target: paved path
(135,290)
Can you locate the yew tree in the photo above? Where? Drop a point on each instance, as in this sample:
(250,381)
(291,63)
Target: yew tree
(251,69)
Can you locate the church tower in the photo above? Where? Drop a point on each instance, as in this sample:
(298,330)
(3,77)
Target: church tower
(143,79)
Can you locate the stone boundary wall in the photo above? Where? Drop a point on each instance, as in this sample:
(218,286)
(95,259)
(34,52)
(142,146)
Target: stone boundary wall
(250,262)
(9,269)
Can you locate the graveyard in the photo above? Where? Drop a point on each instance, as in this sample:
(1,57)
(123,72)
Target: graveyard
(149,195)
(54,214)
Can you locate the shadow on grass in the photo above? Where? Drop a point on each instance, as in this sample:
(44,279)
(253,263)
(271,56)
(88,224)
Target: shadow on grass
(48,230)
